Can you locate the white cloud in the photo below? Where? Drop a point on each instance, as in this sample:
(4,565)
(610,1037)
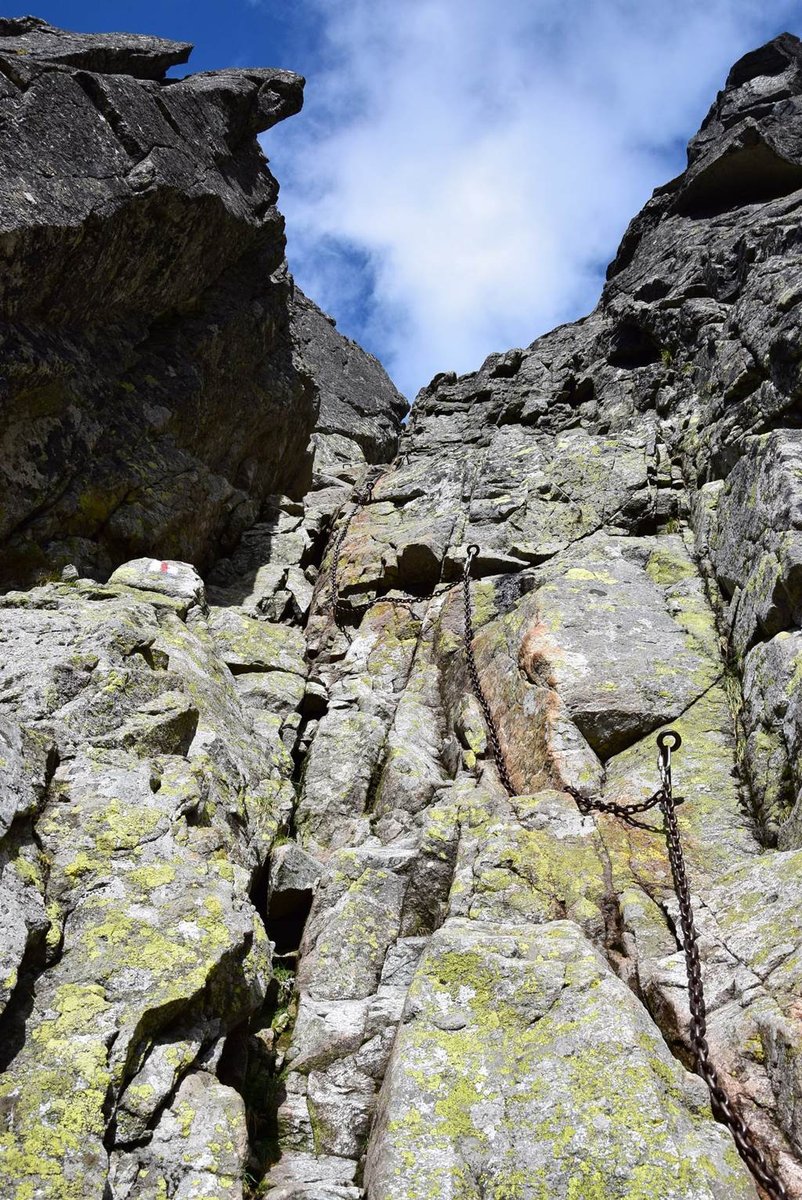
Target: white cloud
(464,169)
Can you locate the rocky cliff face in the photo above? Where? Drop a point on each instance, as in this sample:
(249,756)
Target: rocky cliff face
(154,384)
(273,926)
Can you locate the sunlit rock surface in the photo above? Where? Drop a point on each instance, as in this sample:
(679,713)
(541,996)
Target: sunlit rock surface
(271,924)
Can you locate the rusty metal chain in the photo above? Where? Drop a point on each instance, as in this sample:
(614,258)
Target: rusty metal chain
(624,811)
(411,600)
(361,497)
(473,674)
(722,1105)
(664,799)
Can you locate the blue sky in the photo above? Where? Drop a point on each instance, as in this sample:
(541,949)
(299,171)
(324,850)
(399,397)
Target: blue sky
(463,170)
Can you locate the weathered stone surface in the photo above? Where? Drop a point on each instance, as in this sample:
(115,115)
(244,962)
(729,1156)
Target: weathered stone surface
(757,547)
(264,576)
(272,924)
(204,1130)
(622,632)
(356,406)
(20,780)
(176,579)
(23,916)
(301,1176)
(143,272)
(292,870)
(39,45)
(773,722)
(247,644)
(145,878)
(520,1059)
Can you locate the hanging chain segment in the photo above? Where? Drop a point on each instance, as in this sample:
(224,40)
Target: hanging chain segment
(663,798)
(362,497)
(473,674)
(624,811)
(722,1106)
(754,1158)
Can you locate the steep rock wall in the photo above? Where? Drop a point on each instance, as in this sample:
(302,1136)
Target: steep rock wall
(154,384)
(275,925)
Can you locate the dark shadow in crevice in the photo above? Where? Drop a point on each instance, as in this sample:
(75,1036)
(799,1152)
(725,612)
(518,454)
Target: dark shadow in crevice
(632,346)
(752,173)
(255,1066)
(286,919)
(38,956)
(15,1016)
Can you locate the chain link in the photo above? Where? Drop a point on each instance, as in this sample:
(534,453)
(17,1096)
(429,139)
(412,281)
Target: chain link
(361,498)
(624,811)
(722,1105)
(473,674)
(662,798)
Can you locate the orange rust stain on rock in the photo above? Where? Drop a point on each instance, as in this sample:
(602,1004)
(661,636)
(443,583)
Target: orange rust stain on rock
(536,656)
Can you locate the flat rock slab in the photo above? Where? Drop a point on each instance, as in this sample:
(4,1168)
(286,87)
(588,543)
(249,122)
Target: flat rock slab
(247,644)
(116,53)
(525,1067)
(535,495)
(611,635)
(609,641)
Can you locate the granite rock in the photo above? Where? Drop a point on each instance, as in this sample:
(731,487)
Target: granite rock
(143,272)
(273,925)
